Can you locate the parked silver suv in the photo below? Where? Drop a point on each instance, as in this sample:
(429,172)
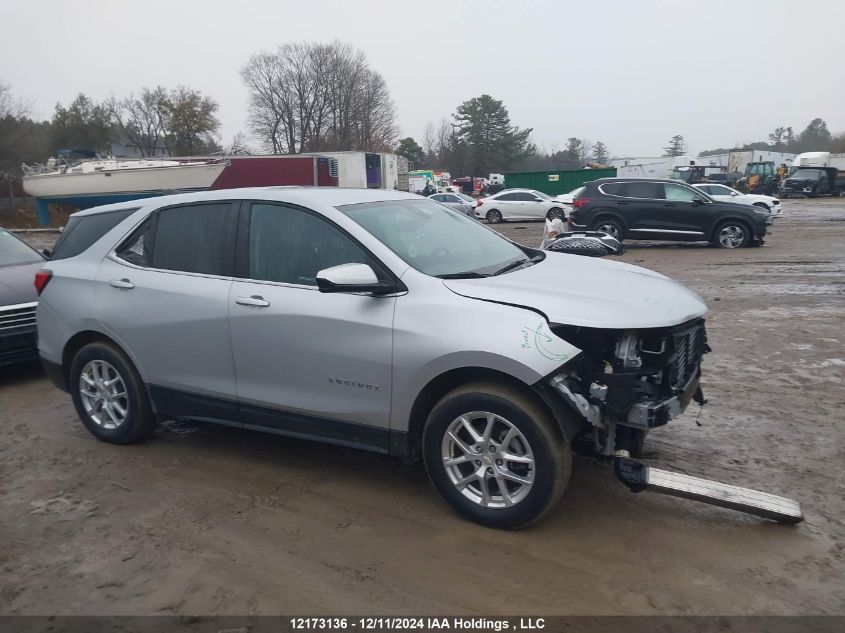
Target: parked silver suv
(367,318)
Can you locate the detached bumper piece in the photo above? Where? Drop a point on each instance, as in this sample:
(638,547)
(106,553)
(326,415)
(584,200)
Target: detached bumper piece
(639,477)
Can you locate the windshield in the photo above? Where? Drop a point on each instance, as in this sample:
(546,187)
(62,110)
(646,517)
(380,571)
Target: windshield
(540,194)
(434,239)
(13,252)
(807,173)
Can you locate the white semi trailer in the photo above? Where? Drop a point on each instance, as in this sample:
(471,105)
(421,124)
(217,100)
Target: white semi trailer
(370,170)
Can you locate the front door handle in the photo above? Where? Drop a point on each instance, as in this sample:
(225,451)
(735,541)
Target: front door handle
(124,283)
(254,301)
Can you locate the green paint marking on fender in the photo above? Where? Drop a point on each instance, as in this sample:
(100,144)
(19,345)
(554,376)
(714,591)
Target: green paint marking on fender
(542,342)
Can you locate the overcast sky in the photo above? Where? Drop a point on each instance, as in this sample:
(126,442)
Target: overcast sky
(629,73)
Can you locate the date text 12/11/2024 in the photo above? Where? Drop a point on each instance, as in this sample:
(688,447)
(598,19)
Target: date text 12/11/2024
(416,624)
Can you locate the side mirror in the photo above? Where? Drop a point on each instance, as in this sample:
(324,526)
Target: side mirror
(47,253)
(352,278)
(698,200)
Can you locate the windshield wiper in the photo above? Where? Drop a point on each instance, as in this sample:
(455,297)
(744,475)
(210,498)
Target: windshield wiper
(470,274)
(514,264)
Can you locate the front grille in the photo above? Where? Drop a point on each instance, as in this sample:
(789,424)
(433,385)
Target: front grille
(17,319)
(689,348)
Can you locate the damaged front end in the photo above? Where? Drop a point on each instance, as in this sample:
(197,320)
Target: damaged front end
(627,382)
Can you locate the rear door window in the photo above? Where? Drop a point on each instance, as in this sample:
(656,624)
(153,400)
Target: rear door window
(643,189)
(82,231)
(508,197)
(196,238)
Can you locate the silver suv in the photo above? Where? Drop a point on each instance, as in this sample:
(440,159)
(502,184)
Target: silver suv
(367,318)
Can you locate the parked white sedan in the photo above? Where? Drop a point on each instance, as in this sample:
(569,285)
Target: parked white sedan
(518,204)
(723,193)
(567,198)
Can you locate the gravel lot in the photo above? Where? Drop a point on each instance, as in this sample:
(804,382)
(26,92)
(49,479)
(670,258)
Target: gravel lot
(207,520)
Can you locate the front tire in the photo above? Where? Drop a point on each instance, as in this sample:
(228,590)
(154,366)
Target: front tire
(109,396)
(732,234)
(555,214)
(495,455)
(494,216)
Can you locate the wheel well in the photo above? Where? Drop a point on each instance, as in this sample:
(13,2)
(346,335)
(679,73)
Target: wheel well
(77,342)
(722,221)
(438,387)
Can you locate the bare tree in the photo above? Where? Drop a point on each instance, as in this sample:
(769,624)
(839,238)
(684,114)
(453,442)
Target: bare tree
(11,106)
(144,119)
(312,97)
(238,146)
(375,116)
(429,138)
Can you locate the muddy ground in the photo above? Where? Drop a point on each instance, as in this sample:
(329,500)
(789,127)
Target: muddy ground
(206,520)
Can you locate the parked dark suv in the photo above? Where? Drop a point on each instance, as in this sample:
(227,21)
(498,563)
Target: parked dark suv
(646,209)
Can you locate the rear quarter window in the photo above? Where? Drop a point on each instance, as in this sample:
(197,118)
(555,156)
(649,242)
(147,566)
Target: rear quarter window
(81,232)
(612,189)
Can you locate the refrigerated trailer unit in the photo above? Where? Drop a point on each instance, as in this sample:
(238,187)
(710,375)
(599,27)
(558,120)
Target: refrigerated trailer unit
(368,170)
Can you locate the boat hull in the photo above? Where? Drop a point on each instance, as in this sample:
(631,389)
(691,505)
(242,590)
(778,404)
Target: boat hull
(141,182)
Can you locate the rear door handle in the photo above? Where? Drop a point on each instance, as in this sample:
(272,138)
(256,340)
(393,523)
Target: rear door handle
(255,301)
(121,283)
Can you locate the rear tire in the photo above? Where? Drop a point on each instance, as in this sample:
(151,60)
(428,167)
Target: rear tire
(109,395)
(494,216)
(507,477)
(611,227)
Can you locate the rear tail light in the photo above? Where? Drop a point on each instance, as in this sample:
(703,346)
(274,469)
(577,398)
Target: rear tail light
(580,202)
(42,277)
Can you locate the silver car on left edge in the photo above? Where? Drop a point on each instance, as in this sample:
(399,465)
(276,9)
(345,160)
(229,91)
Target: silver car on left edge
(367,318)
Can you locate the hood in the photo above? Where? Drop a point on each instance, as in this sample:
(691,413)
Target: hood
(17,283)
(800,181)
(578,290)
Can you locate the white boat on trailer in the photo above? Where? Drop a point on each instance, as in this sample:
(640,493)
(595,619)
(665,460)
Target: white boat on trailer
(113,176)
(92,180)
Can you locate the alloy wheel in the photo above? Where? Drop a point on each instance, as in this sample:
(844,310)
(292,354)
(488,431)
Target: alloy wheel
(731,236)
(103,394)
(488,459)
(611,229)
